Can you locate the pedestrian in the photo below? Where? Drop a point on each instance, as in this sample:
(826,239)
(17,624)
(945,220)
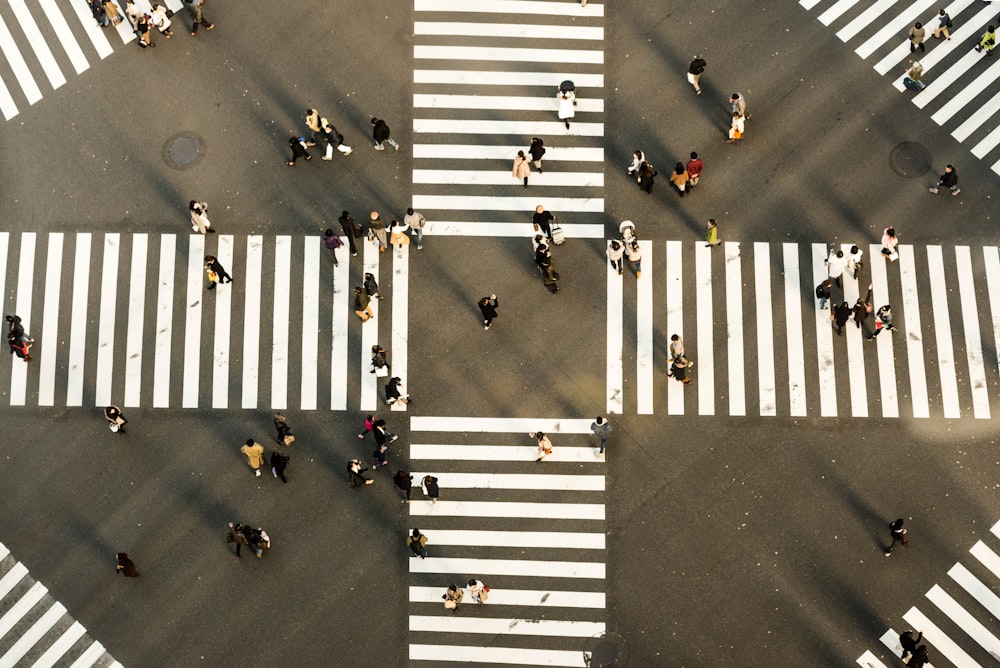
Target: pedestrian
(332,242)
(111,9)
(404,481)
(143,28)
(429,486)
(369,425)
(125,566)
(712,233)
(380,361)
(285,435)
(313,124)
(352,229)
(14,325)
(944,22)
(417,542)
(537,150)
(616,253)
(212,266)
(736,128)
(987,41)
(376,230)
(478,591)
(19,347)
(840,315)
(382,434)
(823,291)
(160,21)
(889,243)
(634,257)
(909,644)
(197,18)
(356,474)
(883,321)
(299,149)
(278,464)
(416,221)
(362,306)
(898,535)
(258,540)
(911,78)
(695,70)
(199,217)
(133,13)
(255,455)
(567,105)
(544,445)
(116,420)
(522,168)
(637,159)
(835,266)
(379,457)
(695,167)
(454,595)
(381,133)
(601,429)
(399,236)
(488,307)
(645,177)
(679,178)
(679,370)
(919,658)
(676,347)
(394,392)
(237,535)
(949,180)
(542,221)
(916,36)
(854,264)
(543,258)
(334,140)
(738,105)
(861,311)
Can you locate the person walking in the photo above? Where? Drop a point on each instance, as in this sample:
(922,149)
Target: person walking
(645,177)
(314,127)
(382,434)
(567,105)
(889,243)
(144,29)
(676,347)
(416,221)
(542,221)
(380,361)
(352,229)
(679,370)
(522,168)
(898,535)
(917,35)
(199,217)
(258,540)
(116,420)
(356,473)
(381,134)
(835,266)
(949,180)
(736,128)
(399,236)
(376,230)
(861,311)
(334,140)
(637,159)
(14,325)
(254,453)
(197,18)
(840,316)
(404,482)
(125,566)
(912,75)
(285,435)
(712,233)
(160,21)
(537,150)
(429,486)
(379,457)
(695,167)
(823,292)
(909,644)
(216,272)
(369,426)
(332,242)
(19,346)
(133,13)
(394,392)
(478,591)
(679,179)
(854,265)
(362,305)
(988,41)
(299,150)
(883,321)
(919,658)
(488,307)
(279,463)
(634,257)
(601,429)
(237,535)
(543,258)
(111,9)
(544,445)
(944,23)
(99,13)
(417,542)
(738,105)
(695,70)
(616,253)
(453,597)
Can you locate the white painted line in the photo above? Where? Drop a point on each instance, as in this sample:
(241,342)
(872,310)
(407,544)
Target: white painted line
(508,54)
(279,340)
(470,425)
(546,598)
(77,320)
(92,654)
(615,341)
(34,36)
(988,143)
(501,453)
(17,65)
(540,539)
(222,295)
(857,381)
(24,604)
(793,330)
(136,320)
(891,640)
(513,7)
(369,329)
(97,38)
(164,321)
(12,578)
(944,80)
(835,12)
(25,280)
(516,567)
(975,588)
(440,228)
(824,340)
(192,328)
(966,94)
(992,258)
(4,552)
(945,350)
(533,30)
(675,321)
(973,341)
(734,328)
(645,365)
(864,19)
(490,653)
(983,113)
(575,482)
(62,645)
(468,177)
(343,313)
(809,4)
(32,635)
(478,203)
(400,318)
(886,356)
(936,637)
(950,607)
(501,626)
(899,25)
(479,152)
(524,128)
(502,103)
(508,509)
(913,334)
(706,328)
(996,167)
(7,104)
(965,30)
(251,320)
(869,660)
(987,557)
(65,35)
(310,322)
(765,331)
(481,77)
(50,322)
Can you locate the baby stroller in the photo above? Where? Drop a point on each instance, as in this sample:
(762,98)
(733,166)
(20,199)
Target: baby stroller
(627,230)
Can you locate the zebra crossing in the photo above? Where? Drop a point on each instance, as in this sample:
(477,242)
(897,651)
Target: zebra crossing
(762,345)
(963,79)
(484,85)
(35,629)
(542,560)
(68,38)
(154,341)
(962,626)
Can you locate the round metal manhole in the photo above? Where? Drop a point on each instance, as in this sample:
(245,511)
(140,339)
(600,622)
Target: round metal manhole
(910,160)
(183,150)
(609,650)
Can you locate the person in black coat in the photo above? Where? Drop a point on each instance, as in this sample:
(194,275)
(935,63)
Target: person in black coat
(488,307)
(645,178)
(537,150)
(909,643)
(840,316)
(380,133)
(352,230)
(278,464)
(125,566)
(430,484)
(298,145)
(404,481)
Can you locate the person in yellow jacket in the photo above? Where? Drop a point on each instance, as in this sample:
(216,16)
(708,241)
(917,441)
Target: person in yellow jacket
(255,455)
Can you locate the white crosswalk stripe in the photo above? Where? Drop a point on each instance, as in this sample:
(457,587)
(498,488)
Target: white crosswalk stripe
(36,630)
(482,528)
(958,79)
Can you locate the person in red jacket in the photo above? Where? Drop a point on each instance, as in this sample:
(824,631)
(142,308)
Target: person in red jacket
(695,166)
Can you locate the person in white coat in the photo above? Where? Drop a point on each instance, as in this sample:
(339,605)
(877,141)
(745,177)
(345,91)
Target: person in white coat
(160,21)
(199,217)
(567,105)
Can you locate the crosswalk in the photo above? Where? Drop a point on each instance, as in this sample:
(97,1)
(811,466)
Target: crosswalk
(135,326)
(495,522)
(961,83)
(961,627)
(67,39)
(35,630)
(762,346)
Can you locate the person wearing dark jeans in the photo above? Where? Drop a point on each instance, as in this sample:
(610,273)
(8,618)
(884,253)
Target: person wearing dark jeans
(898,535)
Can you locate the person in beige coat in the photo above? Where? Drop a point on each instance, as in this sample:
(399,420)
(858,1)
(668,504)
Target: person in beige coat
(255,455)
(522,168)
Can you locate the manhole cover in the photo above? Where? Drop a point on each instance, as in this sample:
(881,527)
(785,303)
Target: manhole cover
(183,150)
(910,160)
(609,650)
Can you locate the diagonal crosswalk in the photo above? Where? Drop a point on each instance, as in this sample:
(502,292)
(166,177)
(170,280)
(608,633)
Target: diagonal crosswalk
(533,532)
(960,82)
